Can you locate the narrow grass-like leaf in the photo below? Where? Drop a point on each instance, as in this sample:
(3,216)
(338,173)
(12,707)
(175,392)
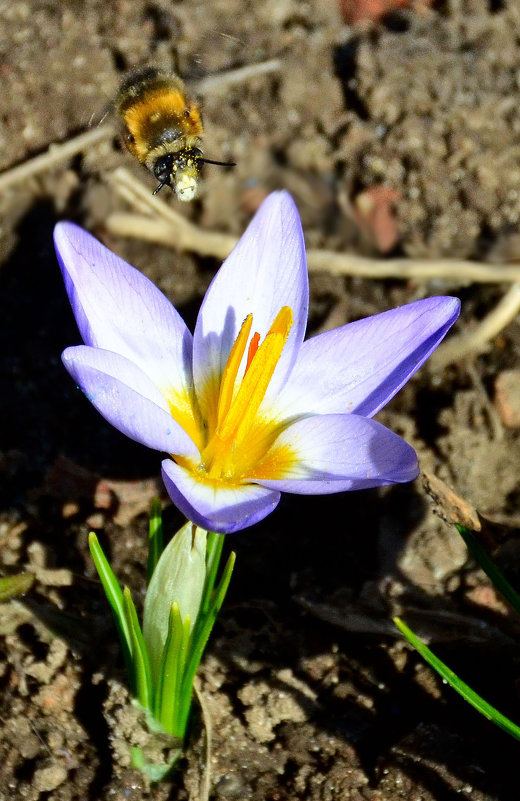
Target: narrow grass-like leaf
(182,702)
(15,585)
(114,596)
(155,536)
(201,633)
(461,687)
(481,556)
(140,662)
(215,543)
(206,622)
(172,705)
(169,669)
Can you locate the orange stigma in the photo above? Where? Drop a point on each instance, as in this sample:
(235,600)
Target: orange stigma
(253,347)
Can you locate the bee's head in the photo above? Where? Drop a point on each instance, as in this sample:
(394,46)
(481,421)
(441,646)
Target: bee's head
(162,170)
(181,171)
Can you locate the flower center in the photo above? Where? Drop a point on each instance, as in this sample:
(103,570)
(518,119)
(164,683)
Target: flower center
(241,436)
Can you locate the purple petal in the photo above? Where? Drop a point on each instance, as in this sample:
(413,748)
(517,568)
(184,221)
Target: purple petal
(357,368)
(217,508)
(338,452)
(118,309)
(266,270)
(127,399)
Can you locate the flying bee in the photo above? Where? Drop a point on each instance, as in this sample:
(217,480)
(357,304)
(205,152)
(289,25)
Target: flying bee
(163,129)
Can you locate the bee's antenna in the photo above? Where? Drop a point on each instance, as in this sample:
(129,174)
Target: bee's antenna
(218,163)
(158,189)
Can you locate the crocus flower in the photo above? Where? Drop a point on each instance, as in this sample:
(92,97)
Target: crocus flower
(245,408)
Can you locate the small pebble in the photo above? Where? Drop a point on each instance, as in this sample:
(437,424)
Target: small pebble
(507,397)
(231,787)
(47,779)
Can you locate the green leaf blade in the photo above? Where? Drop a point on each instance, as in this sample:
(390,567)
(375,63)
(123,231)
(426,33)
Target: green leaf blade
(215,544)
(481,556)
(201,634)
(114,596)
(457,684)
(10,586)
(169,671)
(142,676)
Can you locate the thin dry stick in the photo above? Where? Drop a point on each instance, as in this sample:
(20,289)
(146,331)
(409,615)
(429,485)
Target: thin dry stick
(183,237)
(453,270)
(477,341)
(240,75)
(168,227)
(56,154)
(206,719)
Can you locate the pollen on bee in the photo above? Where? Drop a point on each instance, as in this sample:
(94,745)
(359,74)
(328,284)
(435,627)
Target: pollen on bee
(186,186)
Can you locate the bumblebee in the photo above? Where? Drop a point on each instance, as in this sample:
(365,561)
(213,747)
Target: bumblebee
(163,129)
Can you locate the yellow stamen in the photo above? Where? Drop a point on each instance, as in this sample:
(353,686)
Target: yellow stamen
(242,412)
(242,438)
(229,376)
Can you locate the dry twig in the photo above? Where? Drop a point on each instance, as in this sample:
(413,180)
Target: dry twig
(240,75)
(478,340)
(206,719)
(56,154)
(168,227)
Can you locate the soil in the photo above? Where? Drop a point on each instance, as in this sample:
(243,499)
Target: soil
(310,691)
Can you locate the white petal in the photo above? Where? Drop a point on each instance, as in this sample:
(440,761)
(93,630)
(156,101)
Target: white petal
(266,271)
(120,310)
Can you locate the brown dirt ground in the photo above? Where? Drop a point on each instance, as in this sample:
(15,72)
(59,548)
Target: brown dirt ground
(310,692)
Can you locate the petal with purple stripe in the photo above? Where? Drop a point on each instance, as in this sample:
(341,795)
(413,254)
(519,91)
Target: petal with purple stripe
(337,452)
(127,399)
(217,507)
(357,368)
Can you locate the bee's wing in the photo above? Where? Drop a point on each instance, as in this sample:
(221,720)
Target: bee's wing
(98,117)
